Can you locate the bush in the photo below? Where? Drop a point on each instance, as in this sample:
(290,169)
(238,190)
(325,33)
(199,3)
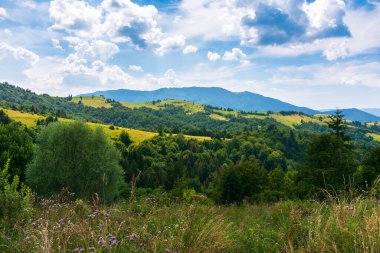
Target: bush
(75,157)
(14,200)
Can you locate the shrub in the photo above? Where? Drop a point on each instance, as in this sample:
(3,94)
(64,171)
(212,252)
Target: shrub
(77,158)
(14,200)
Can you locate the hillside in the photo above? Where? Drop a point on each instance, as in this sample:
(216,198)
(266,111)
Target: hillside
(171,116)
(218,97)
(357,115)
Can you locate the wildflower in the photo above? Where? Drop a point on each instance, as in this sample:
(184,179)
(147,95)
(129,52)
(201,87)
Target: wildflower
(9,238)
(101,241)
(141,244)
(81,249)
(76,250)
(167,250)
(61,221)
(92,248)
(133,237)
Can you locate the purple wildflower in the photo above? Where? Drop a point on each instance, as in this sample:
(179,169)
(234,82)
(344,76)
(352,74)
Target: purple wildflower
(76,250)
(133,237)
(101,241)
(167,250)
(61,221)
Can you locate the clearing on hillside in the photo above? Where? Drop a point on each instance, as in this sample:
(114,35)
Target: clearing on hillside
(96,102)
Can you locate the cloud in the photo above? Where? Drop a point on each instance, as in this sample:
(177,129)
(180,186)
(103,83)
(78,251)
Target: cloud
(56,44)
(271,26)
(353,73)
(126,21)
(3,13)
(169,79)
(233,55)
(18,53)
(326,18)
(91,51)
(189,49)
(14,61)
(171,44)
(213,56)
(135,68)
(365,37)
(210,19)
(76,17)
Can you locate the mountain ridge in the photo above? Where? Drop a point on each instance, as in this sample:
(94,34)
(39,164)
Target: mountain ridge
(214,96)
(355,114)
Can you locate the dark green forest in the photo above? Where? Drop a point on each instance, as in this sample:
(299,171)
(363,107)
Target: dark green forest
(253,160)
(255,186)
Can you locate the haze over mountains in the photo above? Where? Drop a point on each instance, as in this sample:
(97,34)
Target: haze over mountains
(219,97)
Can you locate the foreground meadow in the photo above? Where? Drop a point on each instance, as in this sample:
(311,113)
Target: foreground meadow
(159,225)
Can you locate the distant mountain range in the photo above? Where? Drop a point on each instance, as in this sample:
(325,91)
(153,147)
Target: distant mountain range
(357,115)
(374,111)
(219,97)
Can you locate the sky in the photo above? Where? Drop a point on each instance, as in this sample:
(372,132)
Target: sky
(314,53)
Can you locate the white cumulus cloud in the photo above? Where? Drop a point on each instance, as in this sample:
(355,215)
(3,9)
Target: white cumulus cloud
(234,54)
(3,13)
(56,44)
(190,49)
(76,16)
(324,14)
(213,56)
(135,68)
(95,50)
(171,44)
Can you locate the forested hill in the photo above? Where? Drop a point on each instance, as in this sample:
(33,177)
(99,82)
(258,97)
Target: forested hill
(218,97)
(170,116)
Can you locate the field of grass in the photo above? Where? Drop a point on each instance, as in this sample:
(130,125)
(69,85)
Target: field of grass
(140,105)
(218,117)
(226,113)
(255,116)
(296,119)
(376,137)
(95,102)
(189,107)
(30,120)
(159,225)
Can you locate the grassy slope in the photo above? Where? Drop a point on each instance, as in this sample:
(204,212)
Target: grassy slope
(189,107)
(96,102)
(30,120)
(161,226)
(218,117)
(376,137)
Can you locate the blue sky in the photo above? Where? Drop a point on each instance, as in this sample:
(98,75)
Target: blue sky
(315,53)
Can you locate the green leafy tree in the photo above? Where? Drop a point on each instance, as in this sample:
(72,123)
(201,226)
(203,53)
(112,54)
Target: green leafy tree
(4,119)
(371,167)
(125,138)
(75,157)
(15,145)
(330,164)
(243,180)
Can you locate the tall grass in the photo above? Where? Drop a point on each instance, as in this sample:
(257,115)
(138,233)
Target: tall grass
(149,225)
